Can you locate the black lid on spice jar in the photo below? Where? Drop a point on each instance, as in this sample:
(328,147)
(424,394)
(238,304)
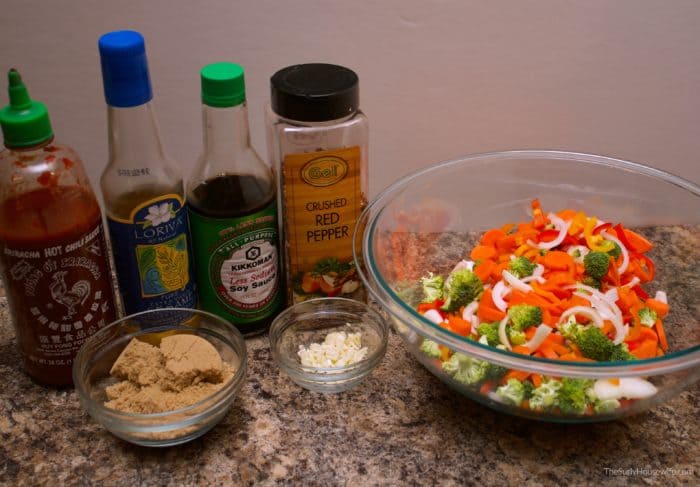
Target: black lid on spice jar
(315,92)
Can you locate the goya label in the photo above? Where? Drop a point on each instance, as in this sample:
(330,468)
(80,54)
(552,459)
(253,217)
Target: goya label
(153,257)
(323,200)
(238,264)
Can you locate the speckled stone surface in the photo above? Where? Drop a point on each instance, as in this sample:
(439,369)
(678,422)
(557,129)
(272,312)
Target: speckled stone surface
(400,427)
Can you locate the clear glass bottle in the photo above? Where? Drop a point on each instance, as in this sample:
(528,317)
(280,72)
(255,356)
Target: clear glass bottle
(53,253)
(233,210)
(142,187)
(318,141)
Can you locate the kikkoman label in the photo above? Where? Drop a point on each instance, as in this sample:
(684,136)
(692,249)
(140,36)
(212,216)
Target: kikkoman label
(323,199)
(238,265)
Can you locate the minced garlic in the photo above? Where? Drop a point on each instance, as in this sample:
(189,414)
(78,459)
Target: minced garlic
(337,350)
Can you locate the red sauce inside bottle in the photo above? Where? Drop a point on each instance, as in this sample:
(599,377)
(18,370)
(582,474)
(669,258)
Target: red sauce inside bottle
(54,262)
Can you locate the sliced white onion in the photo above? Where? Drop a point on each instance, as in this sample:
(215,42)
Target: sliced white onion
(515,282)
(612,295)
(463,264)
(582,249)
(625,254)
(561,226)
(499,291)
(661,296)
(589,313)
(628,387)
(539,279)
(475,321)
(434,316)
(633,282)
(536,275)
(469,310)
(502,333)
(605,302)
(541,333)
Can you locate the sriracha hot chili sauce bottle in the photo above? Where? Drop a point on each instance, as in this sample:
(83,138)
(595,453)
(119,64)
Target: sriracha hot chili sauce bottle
(142,187)
(317,137)
(233,210)
(53,256)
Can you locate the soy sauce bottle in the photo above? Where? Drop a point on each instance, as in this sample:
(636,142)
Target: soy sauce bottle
(232,208)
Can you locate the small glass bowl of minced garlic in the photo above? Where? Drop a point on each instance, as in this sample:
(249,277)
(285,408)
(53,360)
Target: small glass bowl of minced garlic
(328,344)
(161,377)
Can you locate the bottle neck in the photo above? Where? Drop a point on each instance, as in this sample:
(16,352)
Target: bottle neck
(134,136)
(226,130)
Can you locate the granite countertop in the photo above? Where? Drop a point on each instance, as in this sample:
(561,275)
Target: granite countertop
(400,426)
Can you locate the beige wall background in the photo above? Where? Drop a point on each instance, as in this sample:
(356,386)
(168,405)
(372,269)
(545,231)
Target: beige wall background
(438,78)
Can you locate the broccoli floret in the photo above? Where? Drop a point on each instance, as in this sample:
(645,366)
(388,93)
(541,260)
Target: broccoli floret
(572,397)
(522,316)
(593,342)
(621,353)
(475,372)
(529,389)
(516,337)
(647,316)
(596,264)
(605,406)
(545,396)
(512,393)
(616,250)
(433,286)
(430,348)
(593,282)
(461,288)
(471,371)
(454,363)
(490,331)
(521,267)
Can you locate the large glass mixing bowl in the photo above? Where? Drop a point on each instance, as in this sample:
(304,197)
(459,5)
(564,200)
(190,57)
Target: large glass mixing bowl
(425,221)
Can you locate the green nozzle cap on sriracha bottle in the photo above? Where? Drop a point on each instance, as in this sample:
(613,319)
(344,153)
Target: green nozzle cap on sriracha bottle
(25,122)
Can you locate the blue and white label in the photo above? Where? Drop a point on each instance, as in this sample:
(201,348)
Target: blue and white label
(153,256)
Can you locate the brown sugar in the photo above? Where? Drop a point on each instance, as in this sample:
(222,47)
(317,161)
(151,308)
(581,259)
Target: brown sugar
(184,370)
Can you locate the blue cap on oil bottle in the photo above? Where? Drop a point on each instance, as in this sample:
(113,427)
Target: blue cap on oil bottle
(124,69)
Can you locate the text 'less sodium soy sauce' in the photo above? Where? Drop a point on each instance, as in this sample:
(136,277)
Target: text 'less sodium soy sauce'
(233,211)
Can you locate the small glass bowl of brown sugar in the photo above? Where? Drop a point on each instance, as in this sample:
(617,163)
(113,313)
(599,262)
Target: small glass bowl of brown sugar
(161,377)
(328,344)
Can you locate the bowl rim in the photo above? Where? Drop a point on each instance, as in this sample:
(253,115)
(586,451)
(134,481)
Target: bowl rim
(370,361)
(363,238)
(114,417)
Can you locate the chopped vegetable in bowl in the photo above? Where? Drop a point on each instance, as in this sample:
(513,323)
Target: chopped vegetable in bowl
(564,286)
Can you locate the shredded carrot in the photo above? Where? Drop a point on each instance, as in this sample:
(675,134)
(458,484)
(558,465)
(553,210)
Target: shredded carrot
(487,310)
(536,379)
(646,349)
(558,260)
(492,236)
(521,375)
(482,252)
(522,349)
(548,351)
(485,269)
(459,325)
(444,353)
(659,307)
(659,326)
